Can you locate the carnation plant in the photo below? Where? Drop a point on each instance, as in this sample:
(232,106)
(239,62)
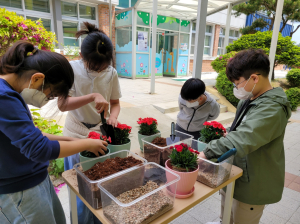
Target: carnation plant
(95,135)
(212,130)
(148,126)
(14,28)
(122,132)
(183,158)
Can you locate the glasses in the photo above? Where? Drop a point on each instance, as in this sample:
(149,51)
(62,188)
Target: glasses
(236,86)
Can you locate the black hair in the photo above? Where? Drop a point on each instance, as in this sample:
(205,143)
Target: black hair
(97,49)
(192,89)
(246,63)
(56,68)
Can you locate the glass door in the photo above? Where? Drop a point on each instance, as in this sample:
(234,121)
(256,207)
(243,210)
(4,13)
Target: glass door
(170,49)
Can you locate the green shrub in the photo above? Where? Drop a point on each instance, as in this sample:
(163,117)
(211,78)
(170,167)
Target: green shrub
(56,167)
(287,53)
(14,28)
(220,63)
(293,95)
(293,77)
(47,126)
(225,87)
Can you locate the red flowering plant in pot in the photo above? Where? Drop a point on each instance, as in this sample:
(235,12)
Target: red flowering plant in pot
(148,127)
(94,135)
(212,130)
(183,161)
(122,141)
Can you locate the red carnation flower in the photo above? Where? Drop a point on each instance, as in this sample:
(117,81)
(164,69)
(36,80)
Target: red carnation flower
(171,147)
(179,148)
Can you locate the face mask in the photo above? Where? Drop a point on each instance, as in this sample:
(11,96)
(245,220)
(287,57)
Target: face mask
(242,94)
(194,104)
(34,97)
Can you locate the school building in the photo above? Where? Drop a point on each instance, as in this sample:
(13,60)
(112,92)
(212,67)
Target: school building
(131,32)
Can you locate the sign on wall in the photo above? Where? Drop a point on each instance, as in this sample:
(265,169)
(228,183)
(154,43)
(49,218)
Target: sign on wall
(142,41)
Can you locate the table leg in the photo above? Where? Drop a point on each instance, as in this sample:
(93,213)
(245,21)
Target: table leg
(73,207)
(228,203)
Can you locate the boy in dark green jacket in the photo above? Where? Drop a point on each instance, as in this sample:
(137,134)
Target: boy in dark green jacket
(257,133)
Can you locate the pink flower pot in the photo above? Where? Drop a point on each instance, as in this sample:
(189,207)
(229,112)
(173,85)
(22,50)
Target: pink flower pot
(186,182)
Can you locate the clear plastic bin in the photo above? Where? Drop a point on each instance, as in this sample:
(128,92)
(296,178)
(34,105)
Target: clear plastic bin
(89,189)
(158,154)
(210,173)
(143,209)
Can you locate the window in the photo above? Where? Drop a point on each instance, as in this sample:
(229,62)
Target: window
(69,9)
(207,40)
(38,5)
(69,31)
(11,3)
(46,22)
(87,12)
(126,4)
(74,14)
(233,35)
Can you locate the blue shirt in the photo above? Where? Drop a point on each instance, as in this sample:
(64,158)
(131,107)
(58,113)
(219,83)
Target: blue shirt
(24,151)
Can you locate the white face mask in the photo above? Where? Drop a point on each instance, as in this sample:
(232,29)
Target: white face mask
(242,94)
(34,97)
(194,104)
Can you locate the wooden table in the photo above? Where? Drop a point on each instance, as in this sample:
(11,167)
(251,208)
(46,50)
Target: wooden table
(180,206)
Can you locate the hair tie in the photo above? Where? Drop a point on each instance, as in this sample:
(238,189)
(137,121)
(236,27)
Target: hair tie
(35,50)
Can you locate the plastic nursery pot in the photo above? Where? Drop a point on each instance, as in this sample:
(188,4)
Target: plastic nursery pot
(200,145)
(186,182)
(140,137)
(91,161)
(116,148)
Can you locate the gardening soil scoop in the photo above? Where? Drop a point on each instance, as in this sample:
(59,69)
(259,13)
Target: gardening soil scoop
(172,139)
(107,129)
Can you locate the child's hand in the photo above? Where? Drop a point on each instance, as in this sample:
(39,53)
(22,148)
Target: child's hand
(202,155)
(97,146)
(112,121)
(224,135)
(101,103)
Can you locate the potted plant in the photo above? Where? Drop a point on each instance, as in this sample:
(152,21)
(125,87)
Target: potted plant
(87,155)
(212,130)
(123,142)
(148,127)
(183,161)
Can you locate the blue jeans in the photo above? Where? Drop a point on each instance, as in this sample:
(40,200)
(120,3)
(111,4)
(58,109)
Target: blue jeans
(85,216)
(36,205)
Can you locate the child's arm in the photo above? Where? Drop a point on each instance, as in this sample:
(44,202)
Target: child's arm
(215,111)
(59,138)
(73,103)
(266,123)
(114,112)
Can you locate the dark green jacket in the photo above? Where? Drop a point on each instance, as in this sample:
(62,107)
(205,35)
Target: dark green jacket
(260,151)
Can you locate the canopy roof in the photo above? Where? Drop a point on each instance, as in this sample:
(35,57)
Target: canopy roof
(183,9)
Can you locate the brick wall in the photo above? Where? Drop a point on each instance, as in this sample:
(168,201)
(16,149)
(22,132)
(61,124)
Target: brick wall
(103,12)
(206,66)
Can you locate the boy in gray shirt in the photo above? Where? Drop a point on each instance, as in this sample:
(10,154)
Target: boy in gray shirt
(196,107)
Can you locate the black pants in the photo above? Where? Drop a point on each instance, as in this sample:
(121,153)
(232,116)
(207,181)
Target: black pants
(196,134)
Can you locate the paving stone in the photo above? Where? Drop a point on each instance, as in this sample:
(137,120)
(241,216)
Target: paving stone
(270,218)
(295,219)
(280,210)
(203,214)
(291,194)
(186,219)
(213,204)
(289,203)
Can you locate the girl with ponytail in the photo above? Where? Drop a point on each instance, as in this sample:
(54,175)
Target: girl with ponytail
(96,88)
(32,76)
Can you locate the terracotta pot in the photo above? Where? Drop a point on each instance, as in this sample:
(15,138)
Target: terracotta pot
(186,182)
